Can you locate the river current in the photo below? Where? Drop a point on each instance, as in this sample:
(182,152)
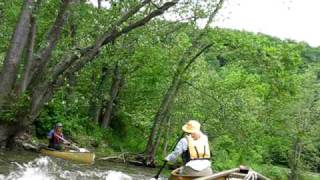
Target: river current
(31,166)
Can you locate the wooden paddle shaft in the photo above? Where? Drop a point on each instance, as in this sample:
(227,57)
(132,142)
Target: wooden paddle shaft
(67,141)
(165,162)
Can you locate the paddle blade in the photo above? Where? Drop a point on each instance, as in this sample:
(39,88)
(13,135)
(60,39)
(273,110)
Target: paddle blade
(83,150)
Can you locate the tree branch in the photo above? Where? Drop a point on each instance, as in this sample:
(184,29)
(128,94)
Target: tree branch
(90,52)
(43,55)
(193,59)
(196,42)
(214,13)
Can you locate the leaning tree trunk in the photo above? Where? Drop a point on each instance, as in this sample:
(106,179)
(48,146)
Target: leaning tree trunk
(183,67)
(166,137)
(161,114)
(9,71)
(159,135)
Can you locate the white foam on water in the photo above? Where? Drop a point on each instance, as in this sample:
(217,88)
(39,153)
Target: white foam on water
(35,170)
(115,175)
(160,178)
(44,168)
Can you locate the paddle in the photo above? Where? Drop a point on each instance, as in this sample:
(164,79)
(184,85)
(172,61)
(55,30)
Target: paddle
(165,162)
(68,142)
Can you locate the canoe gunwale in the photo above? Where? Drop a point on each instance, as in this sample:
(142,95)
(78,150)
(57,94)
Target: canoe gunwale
(234,173)
(176,176)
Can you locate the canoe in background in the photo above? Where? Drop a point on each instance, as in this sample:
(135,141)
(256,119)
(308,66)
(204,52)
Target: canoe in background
(84,157)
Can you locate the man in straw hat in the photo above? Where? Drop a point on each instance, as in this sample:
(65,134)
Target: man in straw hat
(194,149)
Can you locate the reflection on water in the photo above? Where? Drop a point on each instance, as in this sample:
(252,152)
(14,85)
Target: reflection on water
(15,167)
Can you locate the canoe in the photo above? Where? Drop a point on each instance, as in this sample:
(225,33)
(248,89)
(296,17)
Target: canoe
(234,174)
(83,157)
(175,176)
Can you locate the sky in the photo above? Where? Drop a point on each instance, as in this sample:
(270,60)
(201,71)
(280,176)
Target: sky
(292,19)
(287,19)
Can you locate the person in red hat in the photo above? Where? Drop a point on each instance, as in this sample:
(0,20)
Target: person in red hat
(195,151)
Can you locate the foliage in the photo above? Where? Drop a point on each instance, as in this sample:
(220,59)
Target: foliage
(255,95)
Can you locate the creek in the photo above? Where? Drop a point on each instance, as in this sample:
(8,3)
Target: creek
(33,166)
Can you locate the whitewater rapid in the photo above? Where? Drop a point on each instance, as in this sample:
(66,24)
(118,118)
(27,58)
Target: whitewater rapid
(44,168)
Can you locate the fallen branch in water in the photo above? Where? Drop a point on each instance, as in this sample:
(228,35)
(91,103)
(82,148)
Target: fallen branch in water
(125,157)
(121,157)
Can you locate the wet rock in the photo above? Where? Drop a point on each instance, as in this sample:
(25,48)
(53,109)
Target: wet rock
(30,147)
(24,142)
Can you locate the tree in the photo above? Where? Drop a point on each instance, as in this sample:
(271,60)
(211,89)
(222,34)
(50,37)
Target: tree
(186,60)
(45,79)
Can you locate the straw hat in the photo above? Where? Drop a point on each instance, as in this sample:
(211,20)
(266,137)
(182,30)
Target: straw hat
(191,126)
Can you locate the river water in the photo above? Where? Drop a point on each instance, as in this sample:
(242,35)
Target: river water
(32,166)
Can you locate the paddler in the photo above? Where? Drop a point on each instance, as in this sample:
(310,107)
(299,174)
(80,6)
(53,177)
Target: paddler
(56,138)
(195,151)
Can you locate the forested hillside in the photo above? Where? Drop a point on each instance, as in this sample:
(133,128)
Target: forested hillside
(127,82)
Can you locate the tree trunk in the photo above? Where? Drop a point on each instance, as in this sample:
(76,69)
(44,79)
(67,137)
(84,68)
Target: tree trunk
(38,70)
(95,101)
(183,66)
(30,48)
(24,117)
(9,71)
(161,114)
(99,4)
(6,131)
(295,160)
(113,94)
(154,147)
(166,138)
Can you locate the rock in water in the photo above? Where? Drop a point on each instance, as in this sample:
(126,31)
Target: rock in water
(29,147)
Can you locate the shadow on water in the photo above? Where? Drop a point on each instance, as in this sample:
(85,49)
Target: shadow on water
(27,165)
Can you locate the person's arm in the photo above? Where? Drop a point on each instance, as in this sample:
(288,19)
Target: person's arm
(179,149)
(66,142)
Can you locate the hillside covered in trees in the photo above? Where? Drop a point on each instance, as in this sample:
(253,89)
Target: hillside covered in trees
(124,79)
